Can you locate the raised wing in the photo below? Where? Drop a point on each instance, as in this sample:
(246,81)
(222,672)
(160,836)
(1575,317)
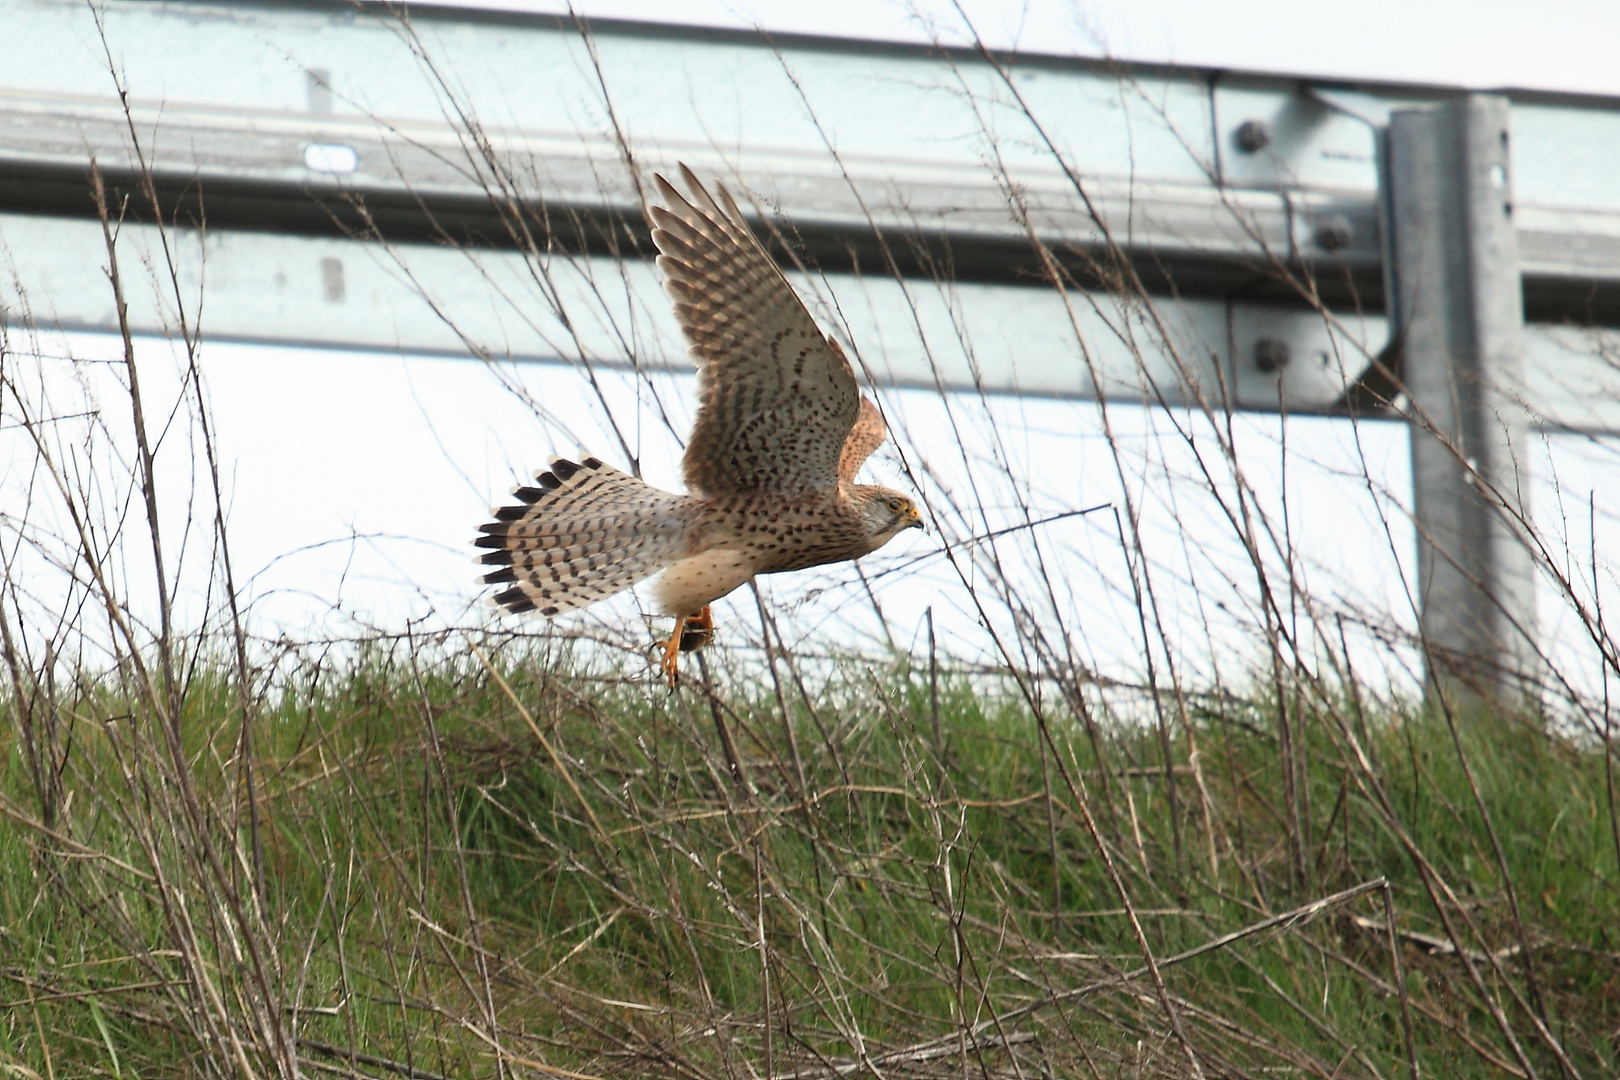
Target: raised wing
(866,436)
(776,398)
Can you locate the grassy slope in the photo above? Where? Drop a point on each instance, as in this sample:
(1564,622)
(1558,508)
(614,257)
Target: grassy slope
(435,886)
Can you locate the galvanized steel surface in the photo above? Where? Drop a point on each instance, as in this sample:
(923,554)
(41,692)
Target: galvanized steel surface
(871,152)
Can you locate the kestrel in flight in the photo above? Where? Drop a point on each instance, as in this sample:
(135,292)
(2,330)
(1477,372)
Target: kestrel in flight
(781,431)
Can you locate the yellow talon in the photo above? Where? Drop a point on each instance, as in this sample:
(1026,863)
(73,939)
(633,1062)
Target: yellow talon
(692,632)
(672,653)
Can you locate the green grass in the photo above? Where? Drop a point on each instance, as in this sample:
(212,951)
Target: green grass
(423,883)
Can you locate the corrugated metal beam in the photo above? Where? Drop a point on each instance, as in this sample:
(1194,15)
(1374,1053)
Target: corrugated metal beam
(346,294)
(240,91)
(1217,184)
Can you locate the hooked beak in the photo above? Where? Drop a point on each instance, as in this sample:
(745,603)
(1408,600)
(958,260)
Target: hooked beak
(916,521)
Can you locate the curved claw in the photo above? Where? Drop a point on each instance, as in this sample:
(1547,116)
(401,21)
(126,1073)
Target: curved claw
(692,632)
(670,665)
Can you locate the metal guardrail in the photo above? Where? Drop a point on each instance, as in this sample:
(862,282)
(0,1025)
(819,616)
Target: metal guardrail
(281,121)
(466,183)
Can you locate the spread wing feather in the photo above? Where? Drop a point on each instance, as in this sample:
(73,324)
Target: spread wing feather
(865,437)
(776,398)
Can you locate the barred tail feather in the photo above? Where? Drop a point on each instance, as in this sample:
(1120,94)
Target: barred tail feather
(583,532)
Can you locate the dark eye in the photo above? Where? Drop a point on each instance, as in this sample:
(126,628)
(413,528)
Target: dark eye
(897,505)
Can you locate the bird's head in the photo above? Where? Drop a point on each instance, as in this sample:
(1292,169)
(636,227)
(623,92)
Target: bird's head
(884,512)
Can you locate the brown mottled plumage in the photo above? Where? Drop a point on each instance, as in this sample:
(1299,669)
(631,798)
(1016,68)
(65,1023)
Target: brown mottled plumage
(781,431)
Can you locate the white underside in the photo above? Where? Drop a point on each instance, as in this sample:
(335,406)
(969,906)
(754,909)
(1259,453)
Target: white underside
(692,584)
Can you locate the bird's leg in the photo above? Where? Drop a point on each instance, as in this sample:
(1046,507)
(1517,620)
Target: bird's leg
(692,632)
(698,631)
(672,652)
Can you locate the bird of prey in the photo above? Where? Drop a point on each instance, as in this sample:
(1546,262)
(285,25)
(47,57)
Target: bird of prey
(781,431)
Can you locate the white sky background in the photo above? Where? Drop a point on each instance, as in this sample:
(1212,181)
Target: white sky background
(356,480)
(1566,45)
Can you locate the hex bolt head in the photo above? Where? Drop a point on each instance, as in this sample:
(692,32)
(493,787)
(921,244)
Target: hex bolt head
(1270,354)
(1253,136)
(1333,232)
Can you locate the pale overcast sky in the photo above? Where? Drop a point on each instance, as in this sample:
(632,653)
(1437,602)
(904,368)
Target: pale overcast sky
(1552,45)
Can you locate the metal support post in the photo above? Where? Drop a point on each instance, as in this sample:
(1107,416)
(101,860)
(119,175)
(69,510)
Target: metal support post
(1456,296)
